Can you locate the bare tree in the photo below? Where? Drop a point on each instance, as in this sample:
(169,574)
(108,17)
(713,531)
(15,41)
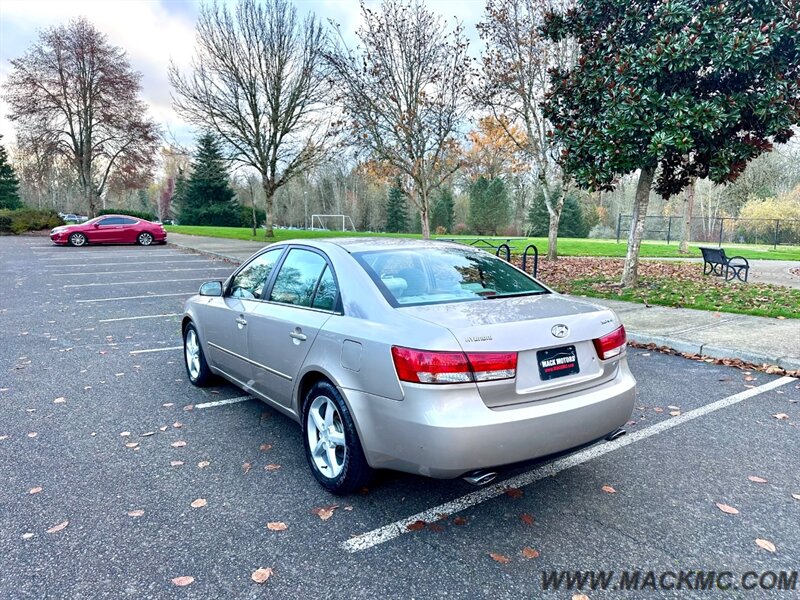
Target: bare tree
(259,82)
(404,91)
(77,96)
(514,83)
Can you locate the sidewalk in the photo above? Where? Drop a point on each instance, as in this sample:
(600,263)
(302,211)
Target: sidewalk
(718,335)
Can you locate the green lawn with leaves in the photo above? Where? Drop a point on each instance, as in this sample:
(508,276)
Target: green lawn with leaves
(677,284)
(566,247)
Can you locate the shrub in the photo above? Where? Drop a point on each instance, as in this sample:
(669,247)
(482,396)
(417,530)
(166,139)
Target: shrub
(139,214)
(602,232)
(223,214)
(246,216)
(440,230)
(460,228)
(28,219)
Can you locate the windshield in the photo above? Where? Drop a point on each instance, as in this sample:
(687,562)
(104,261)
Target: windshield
(437,275)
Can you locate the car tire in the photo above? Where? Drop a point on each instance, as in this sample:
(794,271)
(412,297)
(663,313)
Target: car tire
(144,239)
(77,239)
(335,457)
(194,359)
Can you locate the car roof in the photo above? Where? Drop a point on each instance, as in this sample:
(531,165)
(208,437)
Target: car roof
(363,244)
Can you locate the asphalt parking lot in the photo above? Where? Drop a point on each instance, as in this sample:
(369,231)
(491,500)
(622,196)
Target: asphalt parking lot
(95,403)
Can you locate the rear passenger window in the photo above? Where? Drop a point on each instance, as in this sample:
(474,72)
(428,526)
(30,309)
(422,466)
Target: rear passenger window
(325,298)
(126,221)
(298,279)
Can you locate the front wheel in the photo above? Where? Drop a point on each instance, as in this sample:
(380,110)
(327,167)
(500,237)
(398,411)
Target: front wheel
(77,239)
(332,446)
(194,359)
(145,239)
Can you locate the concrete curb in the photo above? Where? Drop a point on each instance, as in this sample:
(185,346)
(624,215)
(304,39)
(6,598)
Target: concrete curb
(225,257)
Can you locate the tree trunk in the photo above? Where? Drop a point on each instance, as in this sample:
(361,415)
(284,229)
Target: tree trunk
(630,273)
(255,218)
(688,209)
(268,202)
(423,216)
(554,208)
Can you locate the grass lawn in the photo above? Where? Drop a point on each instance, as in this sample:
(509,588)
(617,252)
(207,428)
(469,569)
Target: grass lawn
(676,284)
(566,246)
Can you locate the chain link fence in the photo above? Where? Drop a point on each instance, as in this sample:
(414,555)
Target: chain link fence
(717,230)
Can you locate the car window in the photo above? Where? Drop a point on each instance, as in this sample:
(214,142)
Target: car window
(127,221)
(325,296)
(250,281)
(109,221)
(297,280)
(446,274)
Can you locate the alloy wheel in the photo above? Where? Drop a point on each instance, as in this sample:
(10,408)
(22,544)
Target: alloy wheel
(326,437)
(192,353)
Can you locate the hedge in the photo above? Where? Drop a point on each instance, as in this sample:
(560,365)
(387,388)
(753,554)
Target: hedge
(28,219)
(139,214)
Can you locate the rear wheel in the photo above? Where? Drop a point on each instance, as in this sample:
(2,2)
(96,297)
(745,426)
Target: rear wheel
(145,239)
(331,441)
(77,239)
(194,359)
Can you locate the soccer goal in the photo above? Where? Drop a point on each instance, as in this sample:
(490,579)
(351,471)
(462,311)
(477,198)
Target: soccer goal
(332,223)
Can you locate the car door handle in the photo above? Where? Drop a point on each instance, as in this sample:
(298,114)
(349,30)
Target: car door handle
(298,336)
(242,322)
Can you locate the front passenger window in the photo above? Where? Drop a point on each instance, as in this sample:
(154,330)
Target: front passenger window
(249,282)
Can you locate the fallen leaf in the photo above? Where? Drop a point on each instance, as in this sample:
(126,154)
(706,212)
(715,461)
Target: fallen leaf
(781,416)
(416,526)
(459,521)
(671,407)
(125,434)
(749,378)
(188,407)
(529,553)
(348,508)
(658,409)
(766,545)
(131,444)
(435,527)
(136,513)
(674,413)
(32,434)
(177,424)
(261,575)
(175,463)
(277,526)
(326,512)
(608,489)
(183,581)
(756,479)
(162,428)
(59,400)
(246,467)
(727,509)
(34,490)
(513,492)
(148,434)
(168,404)
(199,503)
(580,597)
(527,519)
(178,444)
(272,467)
(504,560)
(796,496)
(27,536)
(203,464)
(265,447)
(59,527)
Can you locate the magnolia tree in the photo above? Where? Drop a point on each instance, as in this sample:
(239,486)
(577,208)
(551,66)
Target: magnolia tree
(678,90)
(404,94)
(75,98)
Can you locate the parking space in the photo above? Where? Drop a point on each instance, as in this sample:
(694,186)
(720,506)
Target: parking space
(101,430)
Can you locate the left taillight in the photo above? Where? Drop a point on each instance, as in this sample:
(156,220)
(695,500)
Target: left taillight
(425,366)
(611,344)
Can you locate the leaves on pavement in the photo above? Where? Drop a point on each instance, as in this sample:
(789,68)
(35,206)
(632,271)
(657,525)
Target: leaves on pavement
(459,521)
(501,558)
(59,527)
(178,444)
(781,416)
(246,467)
(136,513)
(527,519)
(326,512)
(416,526)
(35,490)
(277,526)
(265,447)
(183,581)
(175,463)
(756,479)
(203,464)
(513,492)
(529,553)
(727,509)
(608,489)
(261,575)
(766,545)
(199,503)
(272,467)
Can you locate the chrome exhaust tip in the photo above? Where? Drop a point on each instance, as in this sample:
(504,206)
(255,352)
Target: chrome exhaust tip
(617,433)
(480,478)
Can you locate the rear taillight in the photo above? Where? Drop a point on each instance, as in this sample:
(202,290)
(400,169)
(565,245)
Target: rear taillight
(424,366)
(611,345)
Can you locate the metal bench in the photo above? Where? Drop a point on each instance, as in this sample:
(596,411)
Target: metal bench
(716,262)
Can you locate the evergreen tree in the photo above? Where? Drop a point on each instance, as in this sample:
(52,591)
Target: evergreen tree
(207,198)
(573,223)
(488,206)
(9,184)
(396,210)
(443,213)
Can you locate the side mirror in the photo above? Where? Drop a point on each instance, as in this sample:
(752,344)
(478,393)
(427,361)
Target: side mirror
(211,288)
(96,225)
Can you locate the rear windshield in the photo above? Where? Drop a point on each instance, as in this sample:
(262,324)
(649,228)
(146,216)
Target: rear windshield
(438,275)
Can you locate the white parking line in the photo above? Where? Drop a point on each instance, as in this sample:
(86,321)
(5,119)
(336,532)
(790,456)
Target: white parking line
(126,263)
(228,268)
(137,318)
(156,350)
(187,294)
(76,285)
(223,402)
(398,528)
(113,255)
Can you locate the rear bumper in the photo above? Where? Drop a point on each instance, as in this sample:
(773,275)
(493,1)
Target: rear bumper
(445,432)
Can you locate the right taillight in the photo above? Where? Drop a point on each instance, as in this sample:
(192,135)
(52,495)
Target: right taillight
(611,344)
(425,366)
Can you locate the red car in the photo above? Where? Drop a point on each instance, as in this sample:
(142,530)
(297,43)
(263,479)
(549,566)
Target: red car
(110,229)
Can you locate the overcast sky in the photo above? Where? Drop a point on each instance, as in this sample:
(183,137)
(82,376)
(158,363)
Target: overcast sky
(153,32)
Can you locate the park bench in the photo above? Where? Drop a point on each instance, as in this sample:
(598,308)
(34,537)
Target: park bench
(716,262)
